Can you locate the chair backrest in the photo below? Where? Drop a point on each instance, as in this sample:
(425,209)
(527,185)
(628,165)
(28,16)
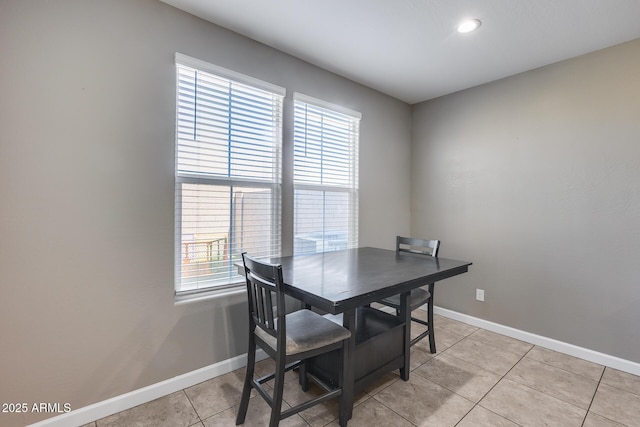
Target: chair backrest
(417,246)
(264,288)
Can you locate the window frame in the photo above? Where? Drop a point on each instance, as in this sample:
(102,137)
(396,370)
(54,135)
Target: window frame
(231,181)
(352,189)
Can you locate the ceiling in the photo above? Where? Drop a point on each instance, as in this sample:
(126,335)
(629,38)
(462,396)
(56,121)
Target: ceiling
(410,49)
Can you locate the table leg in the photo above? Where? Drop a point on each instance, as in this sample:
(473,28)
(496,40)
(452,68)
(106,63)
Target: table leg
(405,315)
(349,322)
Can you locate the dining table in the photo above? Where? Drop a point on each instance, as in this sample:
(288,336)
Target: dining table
(344,284)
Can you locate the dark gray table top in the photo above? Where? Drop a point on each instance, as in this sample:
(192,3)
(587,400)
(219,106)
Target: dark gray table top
(342,280)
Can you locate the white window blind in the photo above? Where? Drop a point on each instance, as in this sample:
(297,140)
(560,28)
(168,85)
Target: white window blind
(228,173)
(325,176)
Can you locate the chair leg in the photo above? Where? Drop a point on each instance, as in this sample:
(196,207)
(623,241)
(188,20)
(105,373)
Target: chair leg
(432,337)
(248,378)
(278,391)
(303,380)
(343,413)
(405,317)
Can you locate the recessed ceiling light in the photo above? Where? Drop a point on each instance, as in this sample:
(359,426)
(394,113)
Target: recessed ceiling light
(469,25)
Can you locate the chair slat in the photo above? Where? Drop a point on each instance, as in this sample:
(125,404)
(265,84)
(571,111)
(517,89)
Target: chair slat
(268,308)
(418,246)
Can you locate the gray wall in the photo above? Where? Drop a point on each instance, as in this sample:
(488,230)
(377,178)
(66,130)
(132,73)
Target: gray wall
(536,179)
(87,113)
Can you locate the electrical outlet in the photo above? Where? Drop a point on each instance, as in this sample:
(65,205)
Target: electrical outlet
(480,294)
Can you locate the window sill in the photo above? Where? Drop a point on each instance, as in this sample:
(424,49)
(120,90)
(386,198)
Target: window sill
(214,294)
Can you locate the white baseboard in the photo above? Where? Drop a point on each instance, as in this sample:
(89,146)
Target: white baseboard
(559,346)
(126,401)
(90,413)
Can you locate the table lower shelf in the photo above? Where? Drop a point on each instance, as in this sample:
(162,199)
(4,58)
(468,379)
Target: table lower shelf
(378,349)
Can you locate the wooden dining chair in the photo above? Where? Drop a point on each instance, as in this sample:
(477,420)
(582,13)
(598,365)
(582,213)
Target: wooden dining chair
(418,296)
(289,339)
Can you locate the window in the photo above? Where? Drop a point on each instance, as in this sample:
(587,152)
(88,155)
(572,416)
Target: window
(228,173)
(325,176)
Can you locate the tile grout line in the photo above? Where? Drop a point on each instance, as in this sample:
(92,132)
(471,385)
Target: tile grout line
(444,351)
(494,386)
(391,409)
(452,391)
(593,397)
(568,371)
(184,390)
(372,396)
(564,370)
(624,390)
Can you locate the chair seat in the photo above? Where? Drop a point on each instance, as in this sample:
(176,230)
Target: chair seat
(306,331)
(417,298)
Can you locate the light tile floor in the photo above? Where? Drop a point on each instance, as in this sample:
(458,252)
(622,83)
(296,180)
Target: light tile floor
(477,378)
